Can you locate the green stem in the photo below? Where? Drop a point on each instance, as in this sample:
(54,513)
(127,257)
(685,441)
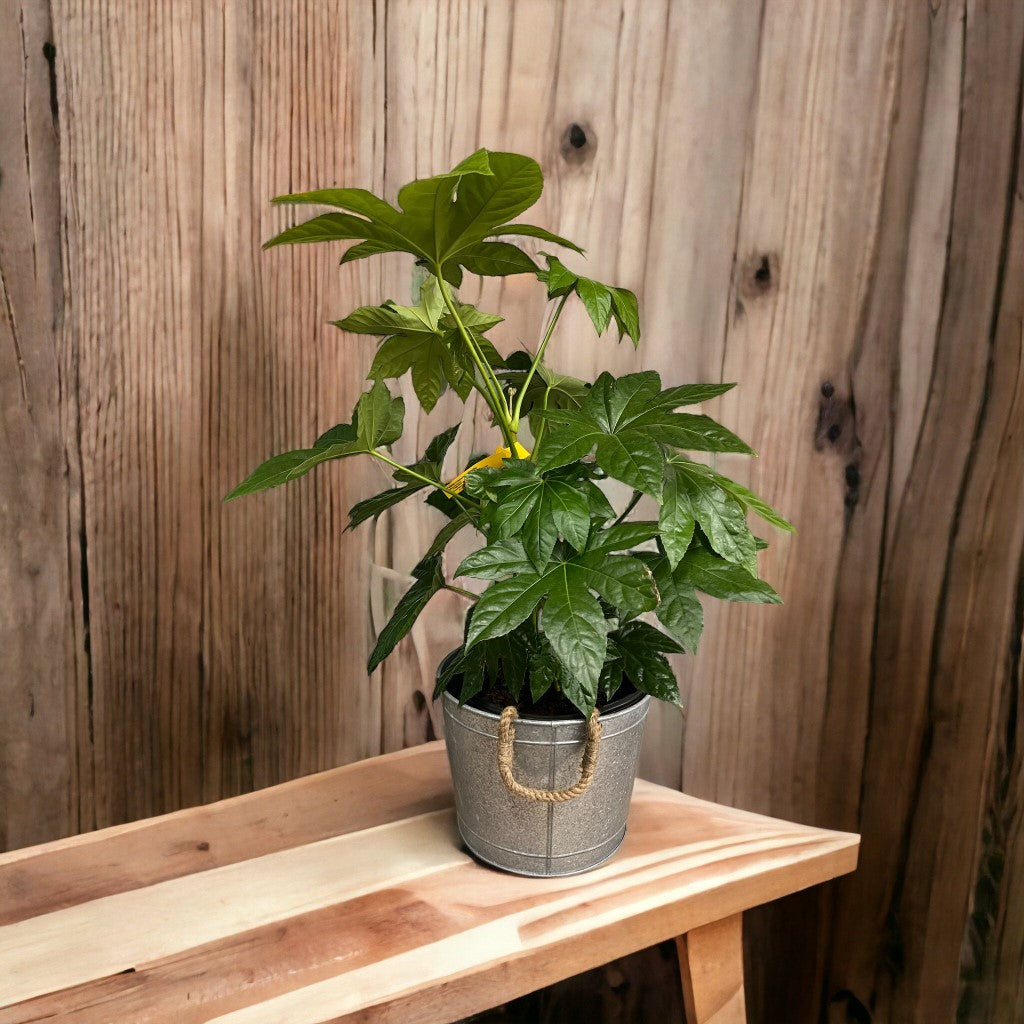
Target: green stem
(633,502)
(459,590)
(425,479)
(492,389)
(542,427)
(536,361)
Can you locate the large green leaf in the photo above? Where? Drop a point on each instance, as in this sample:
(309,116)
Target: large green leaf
(626,422)
(722,579)
(538,510)
(572,618)
(699,496)
(428,580)
(440,220)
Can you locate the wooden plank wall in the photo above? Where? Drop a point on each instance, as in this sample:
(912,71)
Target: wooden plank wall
(824,201)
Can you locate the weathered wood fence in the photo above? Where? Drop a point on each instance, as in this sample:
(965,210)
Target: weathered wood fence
(823,200)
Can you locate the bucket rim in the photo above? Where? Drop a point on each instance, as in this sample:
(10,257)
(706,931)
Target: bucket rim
(526,718)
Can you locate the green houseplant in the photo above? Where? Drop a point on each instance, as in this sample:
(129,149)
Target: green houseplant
(557,628)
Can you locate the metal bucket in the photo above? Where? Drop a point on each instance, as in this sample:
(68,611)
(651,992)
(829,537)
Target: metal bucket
(532,835)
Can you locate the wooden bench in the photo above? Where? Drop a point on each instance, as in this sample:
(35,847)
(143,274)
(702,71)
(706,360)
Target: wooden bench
(346,896)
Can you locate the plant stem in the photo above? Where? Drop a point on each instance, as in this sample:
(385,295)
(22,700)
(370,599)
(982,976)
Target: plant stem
(633,502)
(536,361)
(542,427)
(458,590)
(425,479)
(492,389)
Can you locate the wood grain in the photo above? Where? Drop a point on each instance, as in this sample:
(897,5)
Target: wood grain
(711,969)
(819,200)
(480,938)
(41,663)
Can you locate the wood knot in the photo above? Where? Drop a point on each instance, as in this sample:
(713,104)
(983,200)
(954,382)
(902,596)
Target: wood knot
(837,429)
(578,143)
(836,425)
(760,275)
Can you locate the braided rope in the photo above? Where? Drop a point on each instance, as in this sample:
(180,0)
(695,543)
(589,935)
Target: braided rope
(506,751)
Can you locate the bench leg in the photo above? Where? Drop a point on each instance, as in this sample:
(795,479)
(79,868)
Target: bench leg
(711,967)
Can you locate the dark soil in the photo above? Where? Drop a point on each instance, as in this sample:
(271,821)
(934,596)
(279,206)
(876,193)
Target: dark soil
(494,698)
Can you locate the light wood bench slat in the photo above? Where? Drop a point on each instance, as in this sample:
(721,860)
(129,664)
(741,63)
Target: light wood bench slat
(361,905)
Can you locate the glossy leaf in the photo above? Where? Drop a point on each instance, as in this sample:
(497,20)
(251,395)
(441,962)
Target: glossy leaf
(428,580)
(439,219)
(676,519)
(721,516)
(597,300)
(380,417)
(574,625)
(531,231)
(622,536)
(496,561)
(370,508)
(642,650)
(754,503)
(725,580)
(679,609)
(602,302)
(496,259)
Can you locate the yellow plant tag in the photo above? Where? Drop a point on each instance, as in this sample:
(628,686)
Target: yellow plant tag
(491,462)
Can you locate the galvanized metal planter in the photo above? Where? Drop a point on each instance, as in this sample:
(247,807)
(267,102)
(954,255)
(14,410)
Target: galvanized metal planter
(533,835)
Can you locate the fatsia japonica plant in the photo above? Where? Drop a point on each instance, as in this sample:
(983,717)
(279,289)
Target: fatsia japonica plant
(569,577)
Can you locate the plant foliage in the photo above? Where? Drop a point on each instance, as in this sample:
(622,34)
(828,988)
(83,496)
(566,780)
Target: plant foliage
(571,589)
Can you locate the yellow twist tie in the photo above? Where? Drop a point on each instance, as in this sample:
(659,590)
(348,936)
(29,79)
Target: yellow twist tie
(491,462)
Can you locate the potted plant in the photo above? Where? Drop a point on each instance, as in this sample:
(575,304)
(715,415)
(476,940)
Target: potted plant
(545,700)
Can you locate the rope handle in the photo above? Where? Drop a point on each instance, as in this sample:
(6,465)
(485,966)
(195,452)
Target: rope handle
(506,752)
